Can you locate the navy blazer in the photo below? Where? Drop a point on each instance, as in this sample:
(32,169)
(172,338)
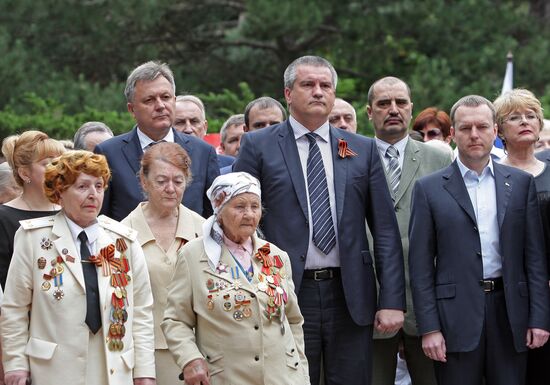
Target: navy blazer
(445,263)
(124,154)
(271,155)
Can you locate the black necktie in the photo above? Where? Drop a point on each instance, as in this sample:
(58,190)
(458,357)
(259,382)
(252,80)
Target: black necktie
(93,314)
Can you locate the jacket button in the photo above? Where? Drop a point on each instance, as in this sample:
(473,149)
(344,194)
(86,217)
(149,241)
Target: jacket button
(256,327)
(478,253)
(303,257)
(475,228)
(257,358)
(252,295)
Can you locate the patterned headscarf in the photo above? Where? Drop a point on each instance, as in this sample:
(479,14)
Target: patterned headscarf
(222,190)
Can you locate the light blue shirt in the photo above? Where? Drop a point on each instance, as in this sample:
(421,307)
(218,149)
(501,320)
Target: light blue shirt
(399,146)
(315,257)
(482,192)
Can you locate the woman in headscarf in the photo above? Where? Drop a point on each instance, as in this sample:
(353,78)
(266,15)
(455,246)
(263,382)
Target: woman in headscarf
(232,314)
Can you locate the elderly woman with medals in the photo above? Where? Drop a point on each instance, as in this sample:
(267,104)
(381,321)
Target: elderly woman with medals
(232,315)
(77,306)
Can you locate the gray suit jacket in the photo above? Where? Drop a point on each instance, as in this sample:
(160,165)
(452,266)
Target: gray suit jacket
(419,160)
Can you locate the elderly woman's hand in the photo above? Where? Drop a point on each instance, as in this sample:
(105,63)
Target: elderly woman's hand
(17,377)
(196,373)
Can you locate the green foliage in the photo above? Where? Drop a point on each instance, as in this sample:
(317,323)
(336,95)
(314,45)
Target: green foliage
(64,62)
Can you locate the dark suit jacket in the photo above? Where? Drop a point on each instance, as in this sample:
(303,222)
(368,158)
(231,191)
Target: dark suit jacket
(543,155)
(124,154)
(445,257)
(225,160)
(271,155)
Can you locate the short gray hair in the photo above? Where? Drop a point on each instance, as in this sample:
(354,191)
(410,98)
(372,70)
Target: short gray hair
(263,103)
(472,101)
(86,129)
(195,100)
(234,120)
(147,71)
(314,61)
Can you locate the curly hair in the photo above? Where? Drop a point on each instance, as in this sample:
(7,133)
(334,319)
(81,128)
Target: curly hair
(64,170)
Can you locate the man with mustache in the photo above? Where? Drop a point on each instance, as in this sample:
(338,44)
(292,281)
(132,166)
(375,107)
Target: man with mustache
(150,95)
(319,185)
(390,110)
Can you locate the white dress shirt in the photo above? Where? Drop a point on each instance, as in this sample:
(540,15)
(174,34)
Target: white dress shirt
(316,259)
(92,232)
(482,192)
(145,141)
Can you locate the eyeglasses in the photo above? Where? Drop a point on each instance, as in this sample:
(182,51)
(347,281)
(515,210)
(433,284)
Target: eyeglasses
(518,118)
(433,133)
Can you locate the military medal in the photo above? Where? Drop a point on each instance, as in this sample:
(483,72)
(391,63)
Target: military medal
(247,312)
(41,263)
(46,285)
(46,243)
(222,268)
(270,283)
(58,294)
(238,315)
(210,303)
(117,268)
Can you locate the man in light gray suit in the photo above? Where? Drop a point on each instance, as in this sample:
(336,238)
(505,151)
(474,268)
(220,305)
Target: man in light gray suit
(405,160)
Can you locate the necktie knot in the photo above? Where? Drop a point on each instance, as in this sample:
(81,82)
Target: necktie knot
(312,137)
(83,237)
(392,152)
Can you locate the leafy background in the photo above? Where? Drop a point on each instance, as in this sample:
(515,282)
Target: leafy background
(64,62)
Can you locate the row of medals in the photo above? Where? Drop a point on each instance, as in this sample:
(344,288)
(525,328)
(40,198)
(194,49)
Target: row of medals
(55,274)
(241,303)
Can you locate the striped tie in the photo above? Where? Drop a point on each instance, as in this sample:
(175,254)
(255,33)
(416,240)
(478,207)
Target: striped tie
(394,170)
(323,228)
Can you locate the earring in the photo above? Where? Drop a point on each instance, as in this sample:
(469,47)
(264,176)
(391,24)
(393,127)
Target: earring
(27,181)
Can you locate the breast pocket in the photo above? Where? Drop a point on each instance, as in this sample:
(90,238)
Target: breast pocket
(445,291)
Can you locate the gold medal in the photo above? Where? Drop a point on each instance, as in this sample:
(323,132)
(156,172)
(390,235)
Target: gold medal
(247,312)
(210,304)
(227,306)
(59,268)
(46,285)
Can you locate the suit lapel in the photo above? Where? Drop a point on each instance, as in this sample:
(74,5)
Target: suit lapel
(411,163)
(503,187)
(132,150)
(340,167)
(454,184)
(183,141)
(289,150)
(65,245)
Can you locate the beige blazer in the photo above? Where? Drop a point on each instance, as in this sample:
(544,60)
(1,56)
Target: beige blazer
(238,350)
(159,263)
(52,343)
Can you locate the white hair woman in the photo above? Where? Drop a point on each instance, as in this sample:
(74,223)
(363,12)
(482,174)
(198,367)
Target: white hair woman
(232,314)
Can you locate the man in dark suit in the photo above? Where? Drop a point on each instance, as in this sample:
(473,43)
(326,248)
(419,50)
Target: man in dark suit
(389,109)
(150,93)
(319,184)
(477,261)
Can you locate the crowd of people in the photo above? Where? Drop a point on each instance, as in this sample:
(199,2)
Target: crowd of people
(301,253)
